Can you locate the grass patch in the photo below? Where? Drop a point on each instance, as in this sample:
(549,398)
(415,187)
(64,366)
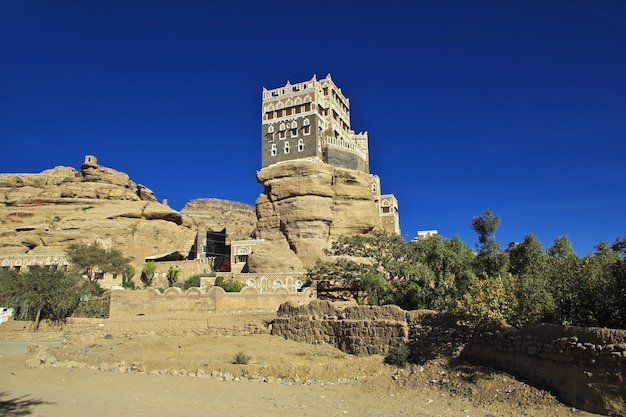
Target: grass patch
(241,358)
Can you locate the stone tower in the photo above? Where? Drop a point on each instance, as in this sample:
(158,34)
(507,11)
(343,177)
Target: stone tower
(311,120)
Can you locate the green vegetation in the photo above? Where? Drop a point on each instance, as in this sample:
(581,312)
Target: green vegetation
(127,277)
(147,273)
(522,284)
(172,276)
(93,261)
(398,356)
(229,285)
(241,358)
(42,293)
(195,280)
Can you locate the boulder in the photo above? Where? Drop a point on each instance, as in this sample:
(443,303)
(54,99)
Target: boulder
(307,205)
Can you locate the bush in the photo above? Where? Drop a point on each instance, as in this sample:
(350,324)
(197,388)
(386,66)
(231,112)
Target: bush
(241,358)
(195,280)
(229,285)
(398,355)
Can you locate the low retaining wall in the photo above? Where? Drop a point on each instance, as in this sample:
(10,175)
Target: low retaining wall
(173,301)
(354,330)
(223,324)
(583,367)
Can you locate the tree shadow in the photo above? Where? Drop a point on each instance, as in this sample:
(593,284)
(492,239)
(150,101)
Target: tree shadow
(18,406)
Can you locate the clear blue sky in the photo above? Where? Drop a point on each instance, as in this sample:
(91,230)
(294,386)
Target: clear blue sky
(514,105)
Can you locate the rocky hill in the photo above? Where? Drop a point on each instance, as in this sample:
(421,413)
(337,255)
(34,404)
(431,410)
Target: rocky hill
(239,219)
(43,213)
(305,207)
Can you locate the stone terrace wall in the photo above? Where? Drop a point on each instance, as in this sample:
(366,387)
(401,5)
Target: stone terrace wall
(175,302)
(583,367)
(224,324)
(356,330)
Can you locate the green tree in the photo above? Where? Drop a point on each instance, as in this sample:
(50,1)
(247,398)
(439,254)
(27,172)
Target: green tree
(490,260)
(127,277)
(487,299)
(172,276)
(530,283)
(147,273)
(92,260)
(561,248)
(42,293)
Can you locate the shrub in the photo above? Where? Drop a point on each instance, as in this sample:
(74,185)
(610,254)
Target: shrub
(229,285)
(195,280)
(241,358)
(398,355)
(192,282)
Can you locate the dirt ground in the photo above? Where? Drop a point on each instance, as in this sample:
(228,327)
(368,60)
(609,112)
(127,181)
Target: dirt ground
(196,376)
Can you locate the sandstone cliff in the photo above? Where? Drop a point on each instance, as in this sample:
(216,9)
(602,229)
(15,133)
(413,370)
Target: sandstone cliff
(44,213)
(305,207)
(239,219)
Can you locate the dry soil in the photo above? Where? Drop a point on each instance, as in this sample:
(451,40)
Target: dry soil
(194,376)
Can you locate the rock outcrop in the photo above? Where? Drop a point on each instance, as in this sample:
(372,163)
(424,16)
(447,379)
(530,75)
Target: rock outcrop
(43,213)
(307,205)
(239,219)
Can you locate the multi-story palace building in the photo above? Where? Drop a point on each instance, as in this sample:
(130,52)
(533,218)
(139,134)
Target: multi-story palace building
(311,120)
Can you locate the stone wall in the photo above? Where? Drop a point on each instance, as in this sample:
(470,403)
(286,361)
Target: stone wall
(355,330)
(174,302)
(583,367)
(189,324)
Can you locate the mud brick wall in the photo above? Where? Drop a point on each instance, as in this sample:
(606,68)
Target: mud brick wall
(584,367)
(356,330)
(174,301)
(191,324)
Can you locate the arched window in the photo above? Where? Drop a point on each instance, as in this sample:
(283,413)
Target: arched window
(286,148)
(298,100)
(282,126)
(306,122)
(288,103)
(270,107)
(274,150)
(294,125)
(270,129)
(279,105)
(300,145)
(307,99)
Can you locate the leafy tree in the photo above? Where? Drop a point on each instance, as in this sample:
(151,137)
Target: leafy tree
(561,248)
(530,284)
(172,276)
(127,277)
(490,260)
(451,262)
(91,259)
(42,293)
(343,275)
(147,273)
(487,299)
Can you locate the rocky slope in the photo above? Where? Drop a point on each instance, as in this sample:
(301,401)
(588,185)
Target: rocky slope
(43,213)
(305,207)
(239,219)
